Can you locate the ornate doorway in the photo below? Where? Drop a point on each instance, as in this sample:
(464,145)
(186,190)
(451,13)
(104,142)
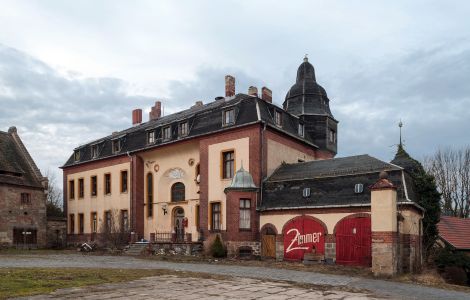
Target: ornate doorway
(178,221)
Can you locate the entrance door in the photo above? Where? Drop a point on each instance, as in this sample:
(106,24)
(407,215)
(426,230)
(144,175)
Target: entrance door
(354,242)
(25,238)
(179,224)
(268,245)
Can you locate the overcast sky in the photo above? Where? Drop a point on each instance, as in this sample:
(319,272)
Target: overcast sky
(72,71)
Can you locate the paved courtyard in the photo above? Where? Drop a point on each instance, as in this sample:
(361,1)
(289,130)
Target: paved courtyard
(380,288)
(175,287)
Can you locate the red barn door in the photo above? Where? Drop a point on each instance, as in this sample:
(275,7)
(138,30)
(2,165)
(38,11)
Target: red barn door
(301,235)
(354,242)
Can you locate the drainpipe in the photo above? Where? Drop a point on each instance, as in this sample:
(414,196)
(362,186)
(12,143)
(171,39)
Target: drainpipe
(131,206)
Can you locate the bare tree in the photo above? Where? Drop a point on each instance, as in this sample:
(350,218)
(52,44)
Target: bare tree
(114,230)
(451,169)
(54,202)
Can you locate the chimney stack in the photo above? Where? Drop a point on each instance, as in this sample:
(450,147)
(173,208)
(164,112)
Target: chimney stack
(253,91)
(198,104)
(266,94)
(136,116)
(155,111)
(229,86)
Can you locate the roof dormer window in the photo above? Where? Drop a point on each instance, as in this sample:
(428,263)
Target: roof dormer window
(116,146)
(278,118)
(76,155)
(94,151)
(183,129)
(301,130)
(166,133)
(228,117)
(150,137)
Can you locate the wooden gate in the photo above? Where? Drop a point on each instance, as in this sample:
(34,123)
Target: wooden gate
(25,238)
(303,235)
(268,245)
(354,242)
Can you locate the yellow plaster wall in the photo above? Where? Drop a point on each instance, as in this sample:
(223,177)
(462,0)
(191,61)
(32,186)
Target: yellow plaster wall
(279,221)
(101,202)
(278,153)
(410,223)
(171,158)
(384,210)
(216,184)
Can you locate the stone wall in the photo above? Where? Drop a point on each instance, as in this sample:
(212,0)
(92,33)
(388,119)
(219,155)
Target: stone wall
(233,248)
(14,214)
(56,232)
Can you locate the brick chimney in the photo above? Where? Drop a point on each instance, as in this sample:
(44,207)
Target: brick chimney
(136,116)
(266,94)
(155,111)
(253,91)
(198,104)
(229,86)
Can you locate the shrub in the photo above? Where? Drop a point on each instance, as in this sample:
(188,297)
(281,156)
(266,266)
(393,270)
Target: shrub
(454,266)
(218,249)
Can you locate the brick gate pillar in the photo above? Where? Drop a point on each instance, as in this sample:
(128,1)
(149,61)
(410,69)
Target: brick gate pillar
(384,227)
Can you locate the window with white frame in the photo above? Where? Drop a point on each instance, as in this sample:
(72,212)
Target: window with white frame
(150,137)
(229,116)
(245,213)
(166,133)
(301,129)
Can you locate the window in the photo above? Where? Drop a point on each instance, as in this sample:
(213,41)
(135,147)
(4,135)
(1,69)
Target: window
(81,228)
(229,117)
(116,146)
(183,129)
(107,184)
(81,188)
(228,160)
(301,129)
(215,211)
(124,220)
(25,198)
(277,118)
(197,216)
(150,137)
(107,218)
(124,181)
(166,133)
(93,182)
(306,192)
(94,151)
(94,222)
(72,189)
(72,223)
(332,136)
(245,213)
(149,195)
(76,155)
(358,188)
(177,192)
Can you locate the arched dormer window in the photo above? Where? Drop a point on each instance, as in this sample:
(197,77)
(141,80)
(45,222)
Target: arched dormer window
(149,195)
(177,192)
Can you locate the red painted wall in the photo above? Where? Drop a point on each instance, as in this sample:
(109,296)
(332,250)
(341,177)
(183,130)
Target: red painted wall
(301,235)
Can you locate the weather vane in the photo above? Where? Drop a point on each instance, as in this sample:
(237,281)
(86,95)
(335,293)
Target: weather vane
(306,57)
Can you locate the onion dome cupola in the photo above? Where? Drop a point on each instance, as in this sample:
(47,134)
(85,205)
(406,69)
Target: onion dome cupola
(308,100)
(242,181)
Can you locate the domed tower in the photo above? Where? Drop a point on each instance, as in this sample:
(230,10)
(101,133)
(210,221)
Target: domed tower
(308,100)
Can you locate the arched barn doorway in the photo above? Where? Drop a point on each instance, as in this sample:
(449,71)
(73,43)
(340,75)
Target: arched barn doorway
(354,241)
(268,241)
(302,235)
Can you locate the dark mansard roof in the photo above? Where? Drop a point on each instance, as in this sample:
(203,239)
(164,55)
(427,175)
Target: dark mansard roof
(331,182)
(202,120)
(16,166)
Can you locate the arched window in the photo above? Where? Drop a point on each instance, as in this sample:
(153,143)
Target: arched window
(149,195)
(177,192)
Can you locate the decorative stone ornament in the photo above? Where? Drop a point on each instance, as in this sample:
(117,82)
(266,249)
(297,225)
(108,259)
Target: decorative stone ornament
(176,173)
(156,167)
(191,162)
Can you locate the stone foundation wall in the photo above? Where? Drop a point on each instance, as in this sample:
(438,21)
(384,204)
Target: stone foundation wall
(234,246)
(384,253)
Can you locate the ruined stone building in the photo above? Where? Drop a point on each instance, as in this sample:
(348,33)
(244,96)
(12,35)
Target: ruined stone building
(261,176)
(22,195)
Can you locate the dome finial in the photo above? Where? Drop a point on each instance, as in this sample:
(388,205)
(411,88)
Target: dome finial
(400,124)
(306,58)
